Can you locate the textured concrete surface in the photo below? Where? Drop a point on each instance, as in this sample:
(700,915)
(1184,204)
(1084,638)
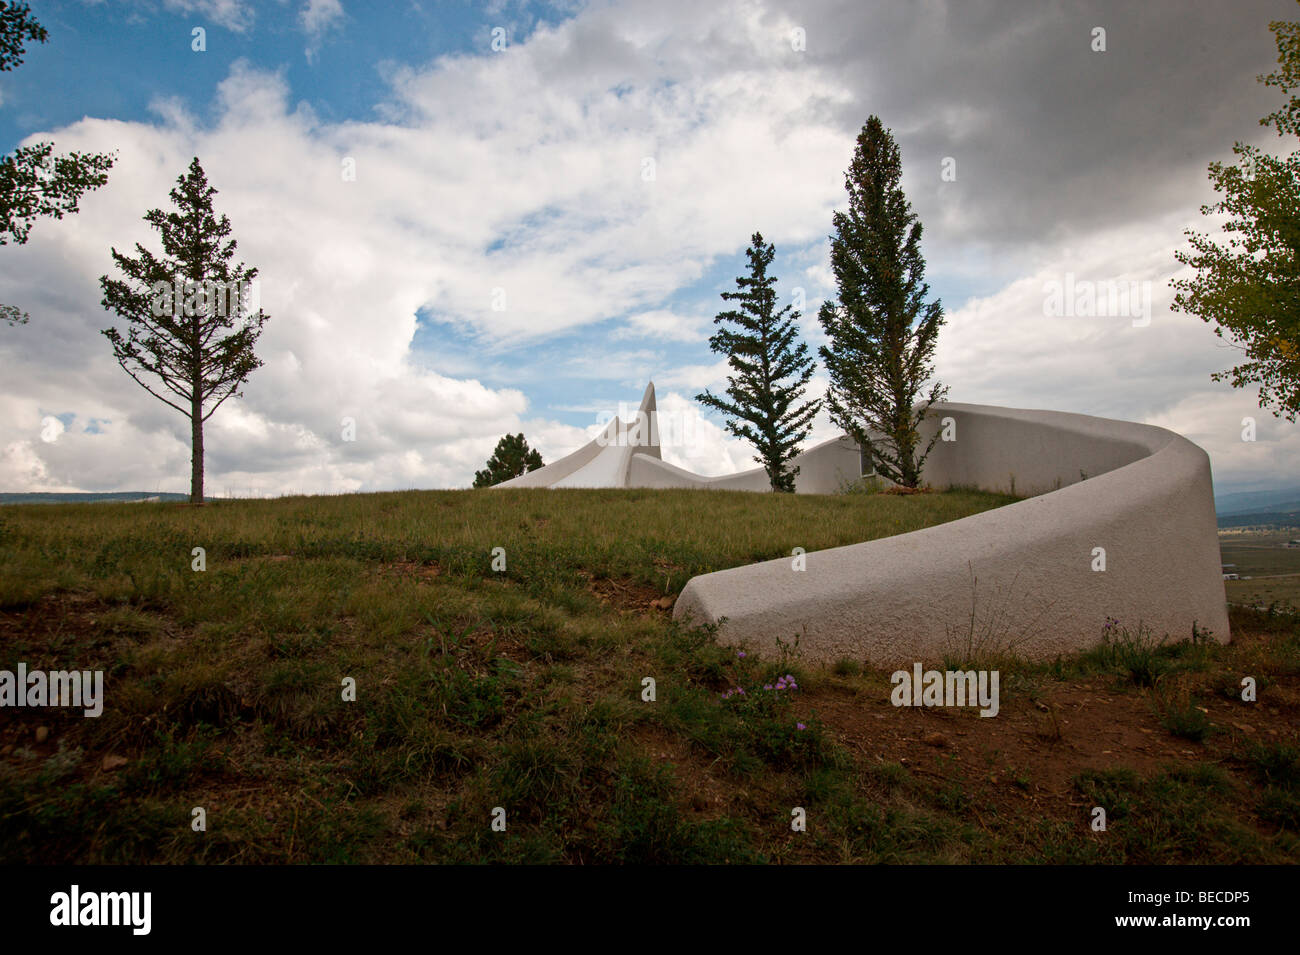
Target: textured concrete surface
(1020,577)
(823,469)
(603,461)
(627,454)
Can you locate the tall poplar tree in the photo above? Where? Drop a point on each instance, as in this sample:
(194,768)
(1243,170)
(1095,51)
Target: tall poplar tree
(189,321)
(882,332)
(770,369)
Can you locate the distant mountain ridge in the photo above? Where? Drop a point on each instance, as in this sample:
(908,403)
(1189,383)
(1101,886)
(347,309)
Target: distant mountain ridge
(1262,519)
(88,497)
(1258,502)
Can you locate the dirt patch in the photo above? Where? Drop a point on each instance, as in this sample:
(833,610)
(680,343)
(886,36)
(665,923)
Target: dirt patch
(630,597)
(1026,757)
(410,570)
(706,790)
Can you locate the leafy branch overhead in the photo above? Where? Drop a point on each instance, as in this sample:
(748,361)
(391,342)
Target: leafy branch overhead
(33,181)
(17,26)
(1250,287)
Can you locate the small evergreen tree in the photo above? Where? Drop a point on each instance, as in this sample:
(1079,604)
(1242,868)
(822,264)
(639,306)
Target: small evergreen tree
(771,369)
(511,458)
(882,332)
(176,308)
(1250,289)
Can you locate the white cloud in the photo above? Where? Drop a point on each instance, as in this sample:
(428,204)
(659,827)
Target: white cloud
(523,171)
(236,15)
(318,17)
(666,324)
(22,467)
(1003,349)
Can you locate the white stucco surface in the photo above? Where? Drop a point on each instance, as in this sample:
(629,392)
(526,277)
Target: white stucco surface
(603,461)
(1024,572)
(1019,577)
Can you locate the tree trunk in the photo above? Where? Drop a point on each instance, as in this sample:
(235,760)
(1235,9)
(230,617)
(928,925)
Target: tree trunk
(196,410)
(196,454)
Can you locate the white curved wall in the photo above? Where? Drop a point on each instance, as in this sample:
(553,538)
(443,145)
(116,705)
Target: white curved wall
(823,469)
(1025,570)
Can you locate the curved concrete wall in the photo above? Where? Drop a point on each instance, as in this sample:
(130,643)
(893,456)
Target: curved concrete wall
(823,469)
(1019,577)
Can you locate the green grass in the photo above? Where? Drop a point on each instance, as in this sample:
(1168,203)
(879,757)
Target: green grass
(477,689)
(1182,715)
(142,552)
(1171,817)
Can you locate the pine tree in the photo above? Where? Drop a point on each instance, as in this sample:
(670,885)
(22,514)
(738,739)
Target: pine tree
(770,370)
(511,458)
(178,306)
(882,332)
(1250,289)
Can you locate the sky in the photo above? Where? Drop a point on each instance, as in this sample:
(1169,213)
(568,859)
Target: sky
(473,219)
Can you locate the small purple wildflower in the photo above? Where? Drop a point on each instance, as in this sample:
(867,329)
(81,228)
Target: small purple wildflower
(800,726)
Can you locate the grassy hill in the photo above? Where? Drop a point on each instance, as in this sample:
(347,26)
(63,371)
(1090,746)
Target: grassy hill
(521,688)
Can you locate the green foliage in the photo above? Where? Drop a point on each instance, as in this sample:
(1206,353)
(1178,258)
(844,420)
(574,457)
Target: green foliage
(34,182)
(1182,715)
(13,315)
(882,332)
(770,371)
(511,458)
(645,826)
(174,332)
(1276,764)
(1250,288)
(17,25)
(1169,817)
(1137,653)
